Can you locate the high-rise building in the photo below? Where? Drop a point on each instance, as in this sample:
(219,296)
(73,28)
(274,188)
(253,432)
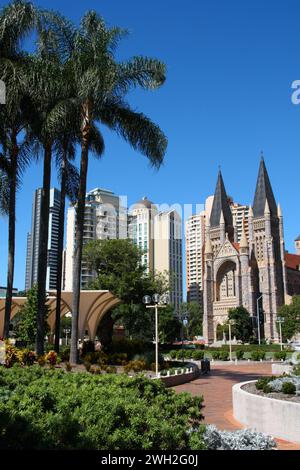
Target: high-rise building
(141,229)
(168,252)
(195,241)
(104,219)
(240,216)
(33,240)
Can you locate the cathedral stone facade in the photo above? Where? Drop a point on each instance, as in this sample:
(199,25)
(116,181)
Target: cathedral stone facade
(251,273)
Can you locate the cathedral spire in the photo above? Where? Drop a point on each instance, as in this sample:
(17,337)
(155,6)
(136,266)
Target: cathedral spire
(220,205)
(264,193)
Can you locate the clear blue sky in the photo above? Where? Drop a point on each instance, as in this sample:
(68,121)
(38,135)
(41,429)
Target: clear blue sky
(227,97)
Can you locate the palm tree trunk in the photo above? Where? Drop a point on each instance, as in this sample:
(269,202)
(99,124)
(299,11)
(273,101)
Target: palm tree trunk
(78,249)
(43,251)
(60,249)
(11,235)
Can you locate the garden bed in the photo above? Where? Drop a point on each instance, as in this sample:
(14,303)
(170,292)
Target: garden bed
(273,415)
(251,388)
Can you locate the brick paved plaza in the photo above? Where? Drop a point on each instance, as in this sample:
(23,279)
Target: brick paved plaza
(216,389)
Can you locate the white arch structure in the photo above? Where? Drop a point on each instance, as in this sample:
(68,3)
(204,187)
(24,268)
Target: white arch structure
(94,304)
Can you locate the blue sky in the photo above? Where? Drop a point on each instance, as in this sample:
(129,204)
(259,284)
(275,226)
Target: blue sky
(227,97)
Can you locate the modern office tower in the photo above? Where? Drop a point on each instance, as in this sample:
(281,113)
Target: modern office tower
(240,214)
(168,251)
(141,229)
(33,240)
(195,241)
(103,219)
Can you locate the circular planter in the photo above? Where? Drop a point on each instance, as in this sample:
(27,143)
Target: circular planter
(278,418)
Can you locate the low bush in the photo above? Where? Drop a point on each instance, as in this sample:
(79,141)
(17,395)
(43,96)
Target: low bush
(224,356)
(258,355)
(239,354)
(280,355)
(49,409)
(135,366)
(245,439)
(216,355)
(198,355)
(172,354)
(65,353)
(51,358)
(68,367)
(288,388)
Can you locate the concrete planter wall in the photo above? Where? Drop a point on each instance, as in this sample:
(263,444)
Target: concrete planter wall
(179,379)
(278,418)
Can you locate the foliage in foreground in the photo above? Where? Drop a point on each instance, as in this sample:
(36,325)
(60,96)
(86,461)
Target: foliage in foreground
(245,439)
(50,409)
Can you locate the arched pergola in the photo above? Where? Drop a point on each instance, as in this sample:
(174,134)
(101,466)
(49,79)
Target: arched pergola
(93,307)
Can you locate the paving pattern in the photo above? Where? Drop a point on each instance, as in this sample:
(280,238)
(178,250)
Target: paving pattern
(216,389)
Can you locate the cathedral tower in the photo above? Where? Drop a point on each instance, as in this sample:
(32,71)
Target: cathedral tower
(268,249)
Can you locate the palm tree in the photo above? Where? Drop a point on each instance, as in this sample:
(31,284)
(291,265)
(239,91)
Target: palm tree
(69,177)
(100,85)
(16,22)
(69,181)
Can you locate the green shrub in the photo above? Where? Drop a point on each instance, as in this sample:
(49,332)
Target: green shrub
(65,353)
(288,388)
(267,388)
(87,366)
(49,409)
(118,359)
(216,355)
(239,354)
(263,382)
(172,354)
(68,367)
(257,355)
(198,355)
(135,366)
(280,355)
(224,355)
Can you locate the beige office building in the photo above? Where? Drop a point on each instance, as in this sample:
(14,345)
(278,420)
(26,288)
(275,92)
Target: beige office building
(195,242)
(168,251)
(104,219)
(140,229)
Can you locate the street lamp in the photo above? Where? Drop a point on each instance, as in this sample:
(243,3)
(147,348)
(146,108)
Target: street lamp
(280,320)
(230,322)
(67,331)
(156,302)
(184,319)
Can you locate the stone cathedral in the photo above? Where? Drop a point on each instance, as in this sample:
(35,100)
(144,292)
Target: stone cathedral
(251,271)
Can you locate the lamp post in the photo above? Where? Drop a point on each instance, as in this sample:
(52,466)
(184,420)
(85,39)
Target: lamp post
(184,319)
(230,322)
(280,320)
(67,331)
(258,318)
(157,302)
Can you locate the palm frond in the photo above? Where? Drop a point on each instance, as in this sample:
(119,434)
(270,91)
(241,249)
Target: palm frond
(137,129)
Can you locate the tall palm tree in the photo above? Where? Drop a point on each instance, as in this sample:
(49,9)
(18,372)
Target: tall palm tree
(16,22)
(69,178)
(69,181)
(100,85)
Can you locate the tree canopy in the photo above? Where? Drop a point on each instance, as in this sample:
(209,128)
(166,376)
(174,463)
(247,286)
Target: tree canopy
(291,315)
